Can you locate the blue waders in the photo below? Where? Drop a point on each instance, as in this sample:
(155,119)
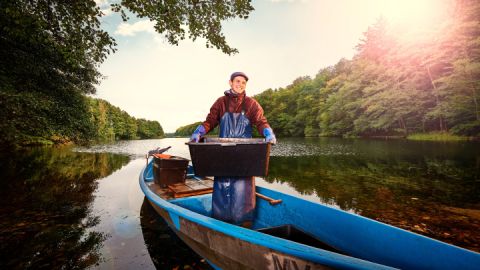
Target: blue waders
(233,198)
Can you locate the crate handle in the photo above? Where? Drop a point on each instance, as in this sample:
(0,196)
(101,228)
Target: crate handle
(228,144)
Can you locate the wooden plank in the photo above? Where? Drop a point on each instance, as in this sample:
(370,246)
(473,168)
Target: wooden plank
(208,183)
(164,193)
(187,190)
(177,188)
(191,187)
(192,193)
(197,185)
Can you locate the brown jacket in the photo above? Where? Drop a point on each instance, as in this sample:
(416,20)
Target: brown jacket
(253,111)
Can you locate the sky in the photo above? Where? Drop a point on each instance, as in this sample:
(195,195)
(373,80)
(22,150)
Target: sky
(279,42)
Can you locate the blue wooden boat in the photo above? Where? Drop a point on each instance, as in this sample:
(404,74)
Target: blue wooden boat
(329,238)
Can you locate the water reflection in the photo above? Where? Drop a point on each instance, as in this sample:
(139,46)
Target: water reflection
(49,218)
(432,189)
(167,251)
(44,212)
(138,148)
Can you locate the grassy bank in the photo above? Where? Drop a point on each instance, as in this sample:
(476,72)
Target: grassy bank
(436,136)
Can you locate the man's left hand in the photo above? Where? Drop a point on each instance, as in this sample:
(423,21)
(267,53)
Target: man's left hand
(269,136)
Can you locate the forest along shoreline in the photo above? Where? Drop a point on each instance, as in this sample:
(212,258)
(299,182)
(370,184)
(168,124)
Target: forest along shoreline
(422,88)
(426,88)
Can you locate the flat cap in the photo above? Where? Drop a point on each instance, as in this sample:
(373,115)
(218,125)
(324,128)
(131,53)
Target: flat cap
(238,73)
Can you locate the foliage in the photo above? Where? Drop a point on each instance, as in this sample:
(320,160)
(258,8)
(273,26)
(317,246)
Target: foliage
(186,131)
(147,129)
(436,136)
(114,124)
(49,57)
(203,18)
(38,118)
(393,86)
(189,129)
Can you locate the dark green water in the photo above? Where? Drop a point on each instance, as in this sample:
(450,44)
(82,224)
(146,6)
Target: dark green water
(45,213)
(82,208)
(427,187)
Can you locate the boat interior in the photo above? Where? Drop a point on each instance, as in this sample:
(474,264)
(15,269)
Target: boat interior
(276,220)
(316,225)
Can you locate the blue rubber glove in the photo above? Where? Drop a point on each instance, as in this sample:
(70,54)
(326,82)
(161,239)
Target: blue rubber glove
(199,132)
(269,136)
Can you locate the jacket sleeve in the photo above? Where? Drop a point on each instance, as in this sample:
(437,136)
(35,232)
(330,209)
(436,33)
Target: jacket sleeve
(213,117)
(256,116)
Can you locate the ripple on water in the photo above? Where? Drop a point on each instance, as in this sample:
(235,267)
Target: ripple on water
(305,149)
(139,148)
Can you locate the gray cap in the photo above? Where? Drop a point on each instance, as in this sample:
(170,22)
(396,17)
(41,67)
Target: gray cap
(236,74)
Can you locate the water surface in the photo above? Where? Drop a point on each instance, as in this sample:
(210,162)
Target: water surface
(83,208)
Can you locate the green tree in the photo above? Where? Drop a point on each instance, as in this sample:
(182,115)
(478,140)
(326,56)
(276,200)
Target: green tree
(394,85)
(376,42)
(149,129)
(186,131)
(202,18)
(111,123)
(50,52)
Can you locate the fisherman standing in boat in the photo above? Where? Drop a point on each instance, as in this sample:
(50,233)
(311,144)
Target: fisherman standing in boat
(233,198)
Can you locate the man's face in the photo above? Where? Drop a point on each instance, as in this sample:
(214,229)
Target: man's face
(238,84)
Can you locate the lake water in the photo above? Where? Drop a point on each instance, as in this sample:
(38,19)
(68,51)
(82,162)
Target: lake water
(82,207)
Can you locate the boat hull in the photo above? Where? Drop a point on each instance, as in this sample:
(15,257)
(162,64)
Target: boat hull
(223,251)
(366,244)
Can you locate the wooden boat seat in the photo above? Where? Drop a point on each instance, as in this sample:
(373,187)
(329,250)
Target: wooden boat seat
(191,187)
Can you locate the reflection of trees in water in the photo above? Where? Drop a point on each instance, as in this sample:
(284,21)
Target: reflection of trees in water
(432,196)
(167,251)
(44,212)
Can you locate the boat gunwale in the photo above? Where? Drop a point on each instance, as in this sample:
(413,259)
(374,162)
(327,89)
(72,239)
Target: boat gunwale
(308,253)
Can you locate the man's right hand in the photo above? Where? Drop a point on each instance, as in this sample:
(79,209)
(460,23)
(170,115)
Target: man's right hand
(197,134)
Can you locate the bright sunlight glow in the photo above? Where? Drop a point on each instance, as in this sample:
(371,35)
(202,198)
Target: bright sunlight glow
(413,14)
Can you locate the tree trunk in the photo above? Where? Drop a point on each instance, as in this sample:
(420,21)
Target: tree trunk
(475,101)
(403,126)
(437,100)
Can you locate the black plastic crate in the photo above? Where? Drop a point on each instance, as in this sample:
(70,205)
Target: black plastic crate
(168,171)
(230,157)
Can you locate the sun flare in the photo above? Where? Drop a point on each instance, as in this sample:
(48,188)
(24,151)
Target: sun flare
(414,13)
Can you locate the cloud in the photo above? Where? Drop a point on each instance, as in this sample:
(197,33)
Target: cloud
(126,29)
(104,6)
(107,11)
(101,3)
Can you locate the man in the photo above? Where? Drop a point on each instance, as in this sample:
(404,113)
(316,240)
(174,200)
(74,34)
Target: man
(233,198)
